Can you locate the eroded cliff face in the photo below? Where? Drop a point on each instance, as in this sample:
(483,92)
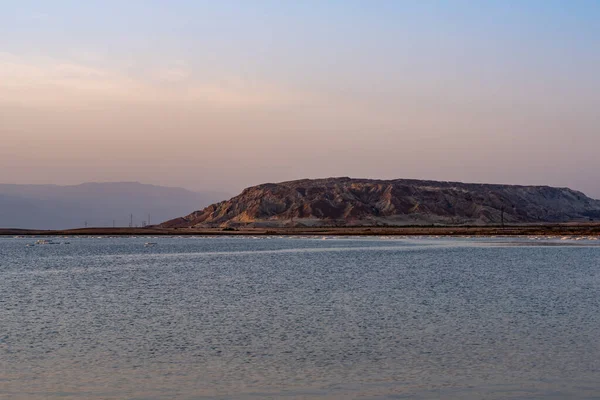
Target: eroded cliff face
(350,202)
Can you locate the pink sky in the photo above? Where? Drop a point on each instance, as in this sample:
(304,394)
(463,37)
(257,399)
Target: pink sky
(396,93)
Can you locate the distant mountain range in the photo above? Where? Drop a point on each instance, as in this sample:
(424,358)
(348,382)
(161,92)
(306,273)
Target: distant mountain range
(98,204)
(362,202)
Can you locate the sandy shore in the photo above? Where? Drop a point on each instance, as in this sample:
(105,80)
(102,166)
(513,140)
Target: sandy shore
(529,230)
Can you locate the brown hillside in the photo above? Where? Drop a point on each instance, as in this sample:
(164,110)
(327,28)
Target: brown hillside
(352,202)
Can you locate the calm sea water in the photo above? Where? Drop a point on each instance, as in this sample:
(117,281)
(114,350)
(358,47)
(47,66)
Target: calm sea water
(299,318)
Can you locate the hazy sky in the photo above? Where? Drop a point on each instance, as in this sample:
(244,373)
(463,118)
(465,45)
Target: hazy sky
(227,94)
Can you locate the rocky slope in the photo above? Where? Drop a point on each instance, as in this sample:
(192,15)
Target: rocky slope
(350,202)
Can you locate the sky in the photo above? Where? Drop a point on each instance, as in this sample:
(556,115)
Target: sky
(223,95)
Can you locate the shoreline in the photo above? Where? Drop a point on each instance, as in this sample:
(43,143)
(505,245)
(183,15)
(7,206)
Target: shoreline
(523,230)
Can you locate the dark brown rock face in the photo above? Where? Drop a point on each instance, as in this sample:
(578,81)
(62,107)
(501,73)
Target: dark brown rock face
(348,202)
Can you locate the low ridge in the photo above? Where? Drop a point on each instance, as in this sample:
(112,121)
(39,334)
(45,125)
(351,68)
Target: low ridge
(103,204)
(371,202)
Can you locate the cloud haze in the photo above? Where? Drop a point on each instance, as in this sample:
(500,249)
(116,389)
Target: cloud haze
(225,96)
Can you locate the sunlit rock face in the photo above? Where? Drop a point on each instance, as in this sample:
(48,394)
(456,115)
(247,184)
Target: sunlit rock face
(362,202)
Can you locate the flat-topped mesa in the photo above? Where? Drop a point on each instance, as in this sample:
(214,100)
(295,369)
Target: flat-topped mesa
(370,202)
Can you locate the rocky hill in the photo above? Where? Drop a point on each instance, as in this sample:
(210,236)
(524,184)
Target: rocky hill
(354,202)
